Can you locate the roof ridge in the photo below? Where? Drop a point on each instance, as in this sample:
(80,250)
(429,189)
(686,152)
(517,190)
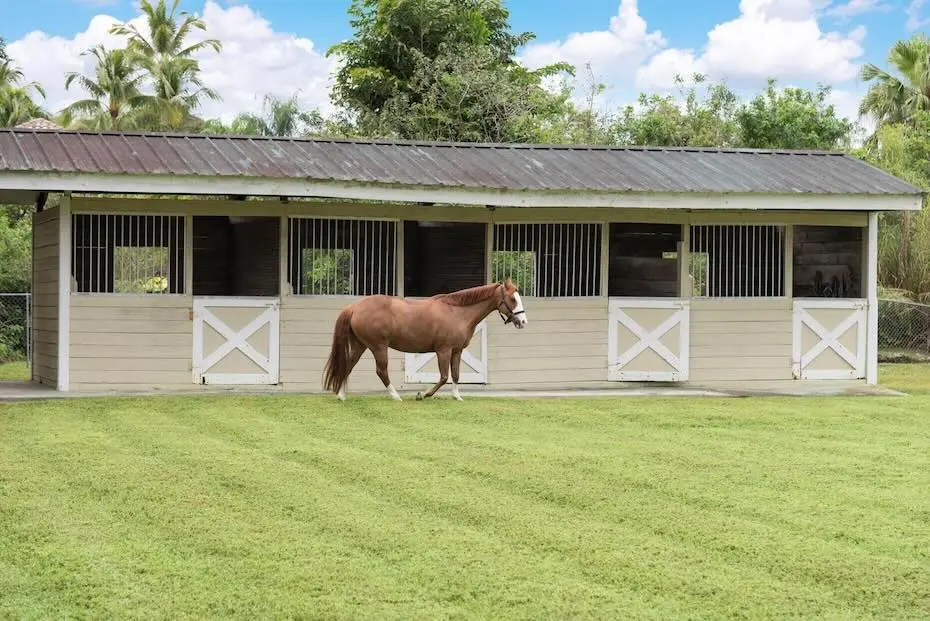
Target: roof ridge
(440,144)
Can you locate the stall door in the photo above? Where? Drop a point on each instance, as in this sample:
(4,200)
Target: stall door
(423,368)
(236,340)
(648,340)
(829,339)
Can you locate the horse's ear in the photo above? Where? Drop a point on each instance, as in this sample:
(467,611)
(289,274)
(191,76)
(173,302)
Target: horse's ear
(508,284)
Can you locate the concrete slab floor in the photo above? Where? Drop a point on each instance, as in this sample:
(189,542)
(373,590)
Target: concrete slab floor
(26,391)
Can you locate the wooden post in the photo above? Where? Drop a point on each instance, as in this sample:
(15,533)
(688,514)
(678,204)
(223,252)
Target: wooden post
(871,283)
(64,292)
(685,286)
(284,287)
(605,259)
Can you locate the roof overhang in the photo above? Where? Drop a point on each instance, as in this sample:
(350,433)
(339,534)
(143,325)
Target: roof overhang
(24,183)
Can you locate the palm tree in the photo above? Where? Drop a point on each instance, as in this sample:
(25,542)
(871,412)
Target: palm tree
(166,56)
(896,98)
(17,104)
(116,101)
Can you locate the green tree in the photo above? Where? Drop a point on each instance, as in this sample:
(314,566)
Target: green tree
(115,100)
(690,119)
(17,97)
(897,98)
(15,253)
(3,56)
(792,118)
(279,117)
(903,149)
(166,55)
(438,69)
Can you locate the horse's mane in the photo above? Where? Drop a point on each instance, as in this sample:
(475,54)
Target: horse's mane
(467,297)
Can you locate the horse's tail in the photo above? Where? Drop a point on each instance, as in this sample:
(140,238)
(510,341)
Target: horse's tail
(336,370)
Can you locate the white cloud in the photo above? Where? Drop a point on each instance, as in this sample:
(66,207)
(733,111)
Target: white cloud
(612,53)
(914,19)
(852,8)
(255,60)
(770,38)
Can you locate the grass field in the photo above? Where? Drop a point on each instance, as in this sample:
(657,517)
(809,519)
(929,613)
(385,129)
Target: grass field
(14,371)
(306,508)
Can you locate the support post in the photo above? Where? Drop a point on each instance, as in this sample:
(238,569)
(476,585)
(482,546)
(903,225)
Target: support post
(489,250)
(284,287)
(399,246)
(64,292)
(605,259)
(685,286)
(871,280)
(188,255)
(789,261)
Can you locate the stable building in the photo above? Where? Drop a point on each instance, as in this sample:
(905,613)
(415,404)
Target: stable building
(191,262)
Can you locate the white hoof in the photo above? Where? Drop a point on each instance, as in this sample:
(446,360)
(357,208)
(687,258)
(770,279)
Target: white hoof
(455,393)
(393,392)
(342,394)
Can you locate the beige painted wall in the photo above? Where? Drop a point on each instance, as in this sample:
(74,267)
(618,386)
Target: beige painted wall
(131,342)
(45,297)
(740,340)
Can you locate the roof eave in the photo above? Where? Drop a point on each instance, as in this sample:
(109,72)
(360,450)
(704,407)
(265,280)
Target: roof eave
(314,188)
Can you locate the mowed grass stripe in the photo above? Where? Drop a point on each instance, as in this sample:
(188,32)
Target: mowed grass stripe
(287,506)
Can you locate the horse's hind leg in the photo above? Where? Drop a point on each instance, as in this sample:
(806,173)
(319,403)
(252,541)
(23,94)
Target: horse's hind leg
(358,350)
(456,367)
(381,363)
(443,357)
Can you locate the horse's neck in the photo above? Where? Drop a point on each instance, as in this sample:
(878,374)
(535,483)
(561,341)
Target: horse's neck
(476,313)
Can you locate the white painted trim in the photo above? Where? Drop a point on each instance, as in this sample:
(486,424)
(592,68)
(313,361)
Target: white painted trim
(871,279)
(64,292)
(414,363)
(298,187)
(648,339)
(829,339)
(236,339)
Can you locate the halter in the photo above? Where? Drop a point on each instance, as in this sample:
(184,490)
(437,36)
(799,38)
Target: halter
(510,312)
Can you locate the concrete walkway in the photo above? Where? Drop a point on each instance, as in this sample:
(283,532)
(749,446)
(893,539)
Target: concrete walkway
(25,391)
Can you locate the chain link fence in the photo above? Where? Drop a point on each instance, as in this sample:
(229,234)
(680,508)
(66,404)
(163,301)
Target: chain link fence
(15,328)
(903,331)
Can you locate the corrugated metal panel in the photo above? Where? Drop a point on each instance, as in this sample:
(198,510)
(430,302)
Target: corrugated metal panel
(476,166)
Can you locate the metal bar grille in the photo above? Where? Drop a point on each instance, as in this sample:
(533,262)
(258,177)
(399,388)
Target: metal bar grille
(134,254)
(332,256)
(549,260)
(737,260)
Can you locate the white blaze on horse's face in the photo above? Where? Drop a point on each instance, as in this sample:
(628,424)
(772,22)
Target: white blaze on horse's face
(519,317)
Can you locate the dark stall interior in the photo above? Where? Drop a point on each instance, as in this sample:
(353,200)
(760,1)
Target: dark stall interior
(440,257)
(236,256)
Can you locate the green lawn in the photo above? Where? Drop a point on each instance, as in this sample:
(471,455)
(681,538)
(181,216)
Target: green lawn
(295,507)
(14,371)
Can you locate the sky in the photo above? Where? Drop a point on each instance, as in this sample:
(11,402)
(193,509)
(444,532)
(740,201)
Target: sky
(279,46)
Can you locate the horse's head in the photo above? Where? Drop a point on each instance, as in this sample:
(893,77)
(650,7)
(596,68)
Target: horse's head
(511,305)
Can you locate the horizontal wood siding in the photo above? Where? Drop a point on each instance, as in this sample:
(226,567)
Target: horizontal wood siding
(306,336)
(740,340)
(131,342)
(563,345)
(45,297)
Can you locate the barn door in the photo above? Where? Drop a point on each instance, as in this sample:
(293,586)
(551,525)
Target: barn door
(829,340)
(236,340)
(423,368)
(648,340)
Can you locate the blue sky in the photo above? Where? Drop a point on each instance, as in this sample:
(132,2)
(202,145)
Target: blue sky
(277,45)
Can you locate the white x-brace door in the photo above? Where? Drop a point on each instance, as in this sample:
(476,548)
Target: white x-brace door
(474,369)
(236,340)
(638,354)
(829,339)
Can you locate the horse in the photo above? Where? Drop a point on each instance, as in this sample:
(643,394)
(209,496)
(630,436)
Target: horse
(443,324)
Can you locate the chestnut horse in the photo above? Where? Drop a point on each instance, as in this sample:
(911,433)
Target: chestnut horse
(443,324)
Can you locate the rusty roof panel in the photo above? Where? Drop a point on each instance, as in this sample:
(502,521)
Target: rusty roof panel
(447,165)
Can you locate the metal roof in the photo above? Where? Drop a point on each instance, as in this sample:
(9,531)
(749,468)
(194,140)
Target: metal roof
(503,167)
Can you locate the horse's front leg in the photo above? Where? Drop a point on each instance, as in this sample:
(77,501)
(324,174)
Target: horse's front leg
(456,367)
(443,357)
